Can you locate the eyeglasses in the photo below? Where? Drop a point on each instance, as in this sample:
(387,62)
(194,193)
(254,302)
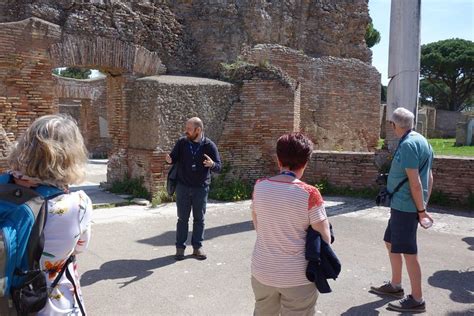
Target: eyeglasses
(392,124)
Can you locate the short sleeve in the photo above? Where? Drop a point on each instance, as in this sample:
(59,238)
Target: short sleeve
(316,209)
(408,156)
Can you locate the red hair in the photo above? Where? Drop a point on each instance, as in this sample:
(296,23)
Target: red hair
(294,150)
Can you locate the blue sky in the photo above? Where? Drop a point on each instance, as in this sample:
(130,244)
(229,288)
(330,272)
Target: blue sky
(440,19)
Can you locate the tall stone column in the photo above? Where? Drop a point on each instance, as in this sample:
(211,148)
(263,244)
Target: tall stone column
(403,61)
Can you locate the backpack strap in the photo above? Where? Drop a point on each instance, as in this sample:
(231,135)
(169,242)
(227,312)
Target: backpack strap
(48,192)
(36,240)
(5,178)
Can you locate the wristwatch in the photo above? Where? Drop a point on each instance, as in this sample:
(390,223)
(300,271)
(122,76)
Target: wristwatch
(421,211)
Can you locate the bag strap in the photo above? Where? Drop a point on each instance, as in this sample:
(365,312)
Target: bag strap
(76,294)
(60,274)
(406,179)
(69,260)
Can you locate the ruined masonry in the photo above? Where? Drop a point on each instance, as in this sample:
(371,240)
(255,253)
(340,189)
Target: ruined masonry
(167,61)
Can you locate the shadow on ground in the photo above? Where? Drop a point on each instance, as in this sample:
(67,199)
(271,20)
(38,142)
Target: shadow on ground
(367,309)
(120,269)
(168,238)
(469,241)
(460,283)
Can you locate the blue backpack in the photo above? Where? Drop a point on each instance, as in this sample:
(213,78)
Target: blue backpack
(22,217)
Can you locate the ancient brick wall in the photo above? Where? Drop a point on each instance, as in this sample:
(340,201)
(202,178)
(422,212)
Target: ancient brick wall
(119,101)
(340,98)
(266,110)
(453,176)
(26,82)
(342,169)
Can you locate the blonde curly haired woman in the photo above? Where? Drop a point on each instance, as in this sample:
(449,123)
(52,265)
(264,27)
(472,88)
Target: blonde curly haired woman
(52,152)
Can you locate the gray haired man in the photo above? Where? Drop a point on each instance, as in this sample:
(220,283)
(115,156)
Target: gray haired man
(413,160)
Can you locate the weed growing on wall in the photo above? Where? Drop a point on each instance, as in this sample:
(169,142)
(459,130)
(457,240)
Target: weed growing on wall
(162,196)
(326,188)
(132,186)
(224,189)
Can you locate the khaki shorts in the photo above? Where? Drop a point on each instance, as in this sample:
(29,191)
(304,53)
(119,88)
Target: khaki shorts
(298,300)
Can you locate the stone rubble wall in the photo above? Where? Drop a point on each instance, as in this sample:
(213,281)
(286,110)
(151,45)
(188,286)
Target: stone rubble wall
(340,98)
(5,146)
(462,128)
(217,31)
(446,123)
(162,105)
(194,37)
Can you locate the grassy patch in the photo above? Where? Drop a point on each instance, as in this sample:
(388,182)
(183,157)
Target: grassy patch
(162,196)
(446,146)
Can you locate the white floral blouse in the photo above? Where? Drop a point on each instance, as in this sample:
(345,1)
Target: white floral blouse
(67,231)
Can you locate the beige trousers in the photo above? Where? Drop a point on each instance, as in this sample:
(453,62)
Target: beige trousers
(298,300)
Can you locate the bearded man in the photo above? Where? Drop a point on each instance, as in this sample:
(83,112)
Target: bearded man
(197,156)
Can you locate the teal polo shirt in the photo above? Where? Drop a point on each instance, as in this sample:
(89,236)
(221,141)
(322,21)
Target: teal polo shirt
(411,153)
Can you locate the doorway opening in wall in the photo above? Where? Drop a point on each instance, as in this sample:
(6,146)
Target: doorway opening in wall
(82,94)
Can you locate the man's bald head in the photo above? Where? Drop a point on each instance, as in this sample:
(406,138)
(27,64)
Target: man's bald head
(194,128)
(196,122)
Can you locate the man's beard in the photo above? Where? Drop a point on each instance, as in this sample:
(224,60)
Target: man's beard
(192,137)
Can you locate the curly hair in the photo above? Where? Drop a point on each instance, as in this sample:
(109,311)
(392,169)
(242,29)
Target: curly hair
(52,149)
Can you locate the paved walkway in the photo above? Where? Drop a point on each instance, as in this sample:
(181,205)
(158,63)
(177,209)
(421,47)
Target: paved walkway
(129,268)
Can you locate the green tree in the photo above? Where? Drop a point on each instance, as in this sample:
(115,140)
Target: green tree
(447,74)
(73,72)
(372,36)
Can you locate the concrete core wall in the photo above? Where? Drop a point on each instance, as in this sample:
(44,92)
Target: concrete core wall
(162,104)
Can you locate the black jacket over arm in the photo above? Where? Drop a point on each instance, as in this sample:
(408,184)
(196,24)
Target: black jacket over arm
(323,263)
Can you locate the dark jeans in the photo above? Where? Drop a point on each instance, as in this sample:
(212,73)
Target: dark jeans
(188,198)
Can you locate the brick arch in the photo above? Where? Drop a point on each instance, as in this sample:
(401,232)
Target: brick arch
(114,56)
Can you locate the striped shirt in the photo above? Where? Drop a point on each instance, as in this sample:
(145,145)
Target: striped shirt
(283,210)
